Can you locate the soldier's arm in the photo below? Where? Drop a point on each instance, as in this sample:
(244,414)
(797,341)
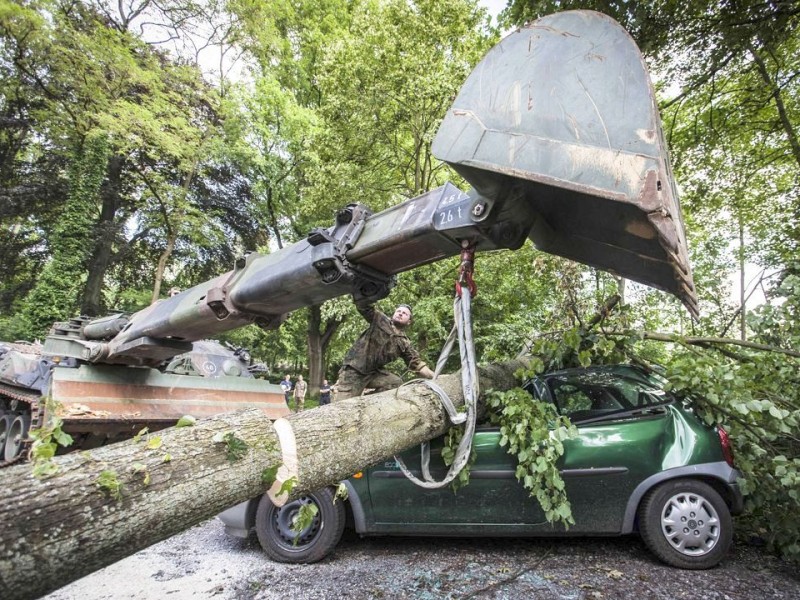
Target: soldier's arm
(415,362)
(367,311)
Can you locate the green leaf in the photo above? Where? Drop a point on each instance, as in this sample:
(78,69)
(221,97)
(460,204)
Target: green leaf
(303,519)
(235,447)
(268,475)
(108,481)
(287,486)
(44,469)
(341,492)
(186,421)
(63,439)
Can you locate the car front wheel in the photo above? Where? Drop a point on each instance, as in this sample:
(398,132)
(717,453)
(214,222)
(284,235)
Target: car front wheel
(277,534)
(686,524)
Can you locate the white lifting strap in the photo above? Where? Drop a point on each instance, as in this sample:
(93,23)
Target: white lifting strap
(462,329)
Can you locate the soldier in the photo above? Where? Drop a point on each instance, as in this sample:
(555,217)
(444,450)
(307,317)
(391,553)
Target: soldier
(380,344)
(299,393)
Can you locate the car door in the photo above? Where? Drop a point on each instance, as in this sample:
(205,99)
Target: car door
(625,424)
(614,451)
(491,501)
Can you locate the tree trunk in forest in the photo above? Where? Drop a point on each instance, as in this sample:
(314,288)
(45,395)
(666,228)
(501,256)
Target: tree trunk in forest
(315,352)
(161,267)
(775,91)
(111,502)
(318,342)
(105,232)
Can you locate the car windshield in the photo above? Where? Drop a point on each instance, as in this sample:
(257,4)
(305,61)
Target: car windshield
(599,392)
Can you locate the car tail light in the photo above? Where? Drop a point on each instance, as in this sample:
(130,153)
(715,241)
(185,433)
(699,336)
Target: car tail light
(725,442)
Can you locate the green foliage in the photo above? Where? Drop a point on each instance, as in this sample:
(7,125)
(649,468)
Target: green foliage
(186,421)
(67,71)
(304,518)
(755,398)
(46,441)
(341,492)
(141,469)
(269,474)
(56,294)
(778,323)
(753,394)
(535,434)
(452,439)
(235,447)
(287,486)
(109,483)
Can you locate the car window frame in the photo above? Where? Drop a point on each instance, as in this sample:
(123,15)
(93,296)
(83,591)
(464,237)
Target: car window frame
(633,373)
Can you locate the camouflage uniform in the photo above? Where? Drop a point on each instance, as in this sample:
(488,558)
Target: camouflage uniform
(377,346)
(300,394)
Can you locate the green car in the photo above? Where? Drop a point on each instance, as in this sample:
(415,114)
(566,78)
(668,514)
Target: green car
(642,462)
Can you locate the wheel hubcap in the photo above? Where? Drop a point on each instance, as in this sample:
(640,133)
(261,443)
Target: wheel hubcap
(690,524)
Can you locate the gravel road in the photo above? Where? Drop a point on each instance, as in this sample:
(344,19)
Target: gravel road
(205,563)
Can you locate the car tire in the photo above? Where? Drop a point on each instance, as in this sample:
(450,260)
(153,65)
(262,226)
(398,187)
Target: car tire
(315,542)
(686,524)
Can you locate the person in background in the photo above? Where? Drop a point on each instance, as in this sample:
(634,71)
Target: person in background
(384,341)
(286,386)
(324,393)
(300,389)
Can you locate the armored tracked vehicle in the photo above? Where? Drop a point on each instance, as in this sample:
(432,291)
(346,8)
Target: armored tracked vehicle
(97,404)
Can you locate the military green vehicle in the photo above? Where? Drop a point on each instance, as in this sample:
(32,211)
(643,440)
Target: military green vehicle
(556,130)
(101,403)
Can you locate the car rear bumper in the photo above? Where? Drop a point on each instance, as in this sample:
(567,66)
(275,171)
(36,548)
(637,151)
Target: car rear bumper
(735,496)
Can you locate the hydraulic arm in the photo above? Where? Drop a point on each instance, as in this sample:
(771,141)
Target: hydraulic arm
(558,133)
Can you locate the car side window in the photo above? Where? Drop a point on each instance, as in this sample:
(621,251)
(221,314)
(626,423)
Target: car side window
(571,399)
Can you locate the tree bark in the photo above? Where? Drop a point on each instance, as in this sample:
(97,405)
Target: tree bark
(59,529)
(318,342)
(105,234)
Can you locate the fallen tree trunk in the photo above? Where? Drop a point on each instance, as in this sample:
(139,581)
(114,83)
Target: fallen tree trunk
(111,502)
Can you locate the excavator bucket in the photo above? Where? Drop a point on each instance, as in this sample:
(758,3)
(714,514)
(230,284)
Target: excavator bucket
(560,118)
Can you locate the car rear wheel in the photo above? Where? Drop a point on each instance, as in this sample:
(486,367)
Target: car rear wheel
(314,542)
(686,524)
